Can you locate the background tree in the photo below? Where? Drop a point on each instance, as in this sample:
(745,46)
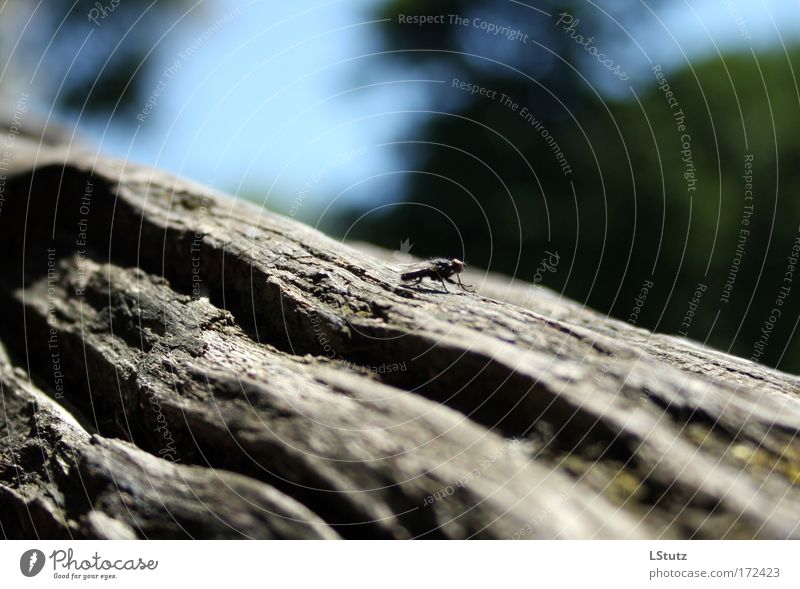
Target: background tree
(84,57)
(636,207)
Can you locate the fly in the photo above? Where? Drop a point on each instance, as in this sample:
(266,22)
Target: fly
(440,269)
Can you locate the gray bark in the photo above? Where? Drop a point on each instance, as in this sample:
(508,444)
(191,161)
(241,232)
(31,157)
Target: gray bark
(203,368)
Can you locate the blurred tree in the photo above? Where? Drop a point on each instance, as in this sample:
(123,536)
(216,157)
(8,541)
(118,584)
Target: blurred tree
(86,56)
(498,177)
(633,205)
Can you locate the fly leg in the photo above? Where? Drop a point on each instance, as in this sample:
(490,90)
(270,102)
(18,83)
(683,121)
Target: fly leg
(461,284)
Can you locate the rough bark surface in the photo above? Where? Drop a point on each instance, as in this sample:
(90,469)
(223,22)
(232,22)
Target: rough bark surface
(176,363)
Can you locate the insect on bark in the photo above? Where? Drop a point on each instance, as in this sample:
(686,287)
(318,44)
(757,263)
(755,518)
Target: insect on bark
(440,269)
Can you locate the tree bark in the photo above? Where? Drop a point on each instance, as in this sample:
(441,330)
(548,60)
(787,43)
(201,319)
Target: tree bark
(178,363)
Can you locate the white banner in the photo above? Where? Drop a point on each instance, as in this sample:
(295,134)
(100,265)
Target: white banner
(387,565)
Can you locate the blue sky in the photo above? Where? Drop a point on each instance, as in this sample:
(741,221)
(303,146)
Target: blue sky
(267,98)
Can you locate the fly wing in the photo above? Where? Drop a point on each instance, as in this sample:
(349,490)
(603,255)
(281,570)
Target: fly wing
(421,265)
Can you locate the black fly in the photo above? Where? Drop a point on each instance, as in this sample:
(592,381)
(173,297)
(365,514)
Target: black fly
(440,269)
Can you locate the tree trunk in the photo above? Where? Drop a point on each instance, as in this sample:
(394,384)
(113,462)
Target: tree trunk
(177,363)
